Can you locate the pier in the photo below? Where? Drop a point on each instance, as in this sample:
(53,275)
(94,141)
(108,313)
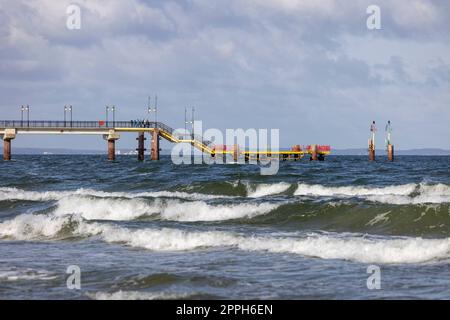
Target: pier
(111,130)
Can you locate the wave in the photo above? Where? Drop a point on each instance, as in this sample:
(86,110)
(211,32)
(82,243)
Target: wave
(263,190)
(137,295)
(25,274)
(174,210)
(24,195)
(353,247)
(401,194)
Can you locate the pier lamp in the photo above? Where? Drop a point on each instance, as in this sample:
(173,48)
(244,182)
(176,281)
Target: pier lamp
(113,110)
(70,108)
(153,109)
(186,122)
(27,109)
(22,109)
(65,114)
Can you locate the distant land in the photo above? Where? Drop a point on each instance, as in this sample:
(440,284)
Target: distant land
(355,151)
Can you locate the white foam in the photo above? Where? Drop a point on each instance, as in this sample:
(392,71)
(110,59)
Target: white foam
(263,190)
(175,210)
(19,194)
(29,226)
(201,211)
(27,274)
(401,194)
(107,208)
(326,246)
(352,191)
(136,295)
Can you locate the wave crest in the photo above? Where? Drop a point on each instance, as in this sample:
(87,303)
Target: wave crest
(325,246)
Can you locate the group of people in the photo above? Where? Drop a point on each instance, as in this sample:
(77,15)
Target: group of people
(142,123)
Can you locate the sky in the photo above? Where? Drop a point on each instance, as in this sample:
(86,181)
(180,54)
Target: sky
(311,68)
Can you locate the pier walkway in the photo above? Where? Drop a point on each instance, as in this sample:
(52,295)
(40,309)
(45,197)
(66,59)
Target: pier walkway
(110,130)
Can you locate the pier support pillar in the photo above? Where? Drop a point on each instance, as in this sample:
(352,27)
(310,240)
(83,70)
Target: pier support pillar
(111,150)
(371,150)
(390,152)
(235,153)
(111,137)
(155,144)
(141,146)
(296,148)
(7,149)
(314,155)
(10,134)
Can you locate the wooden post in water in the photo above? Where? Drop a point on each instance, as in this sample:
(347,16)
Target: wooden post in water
(155,145)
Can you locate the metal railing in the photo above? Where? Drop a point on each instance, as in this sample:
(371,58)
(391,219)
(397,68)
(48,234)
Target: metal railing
(50,124)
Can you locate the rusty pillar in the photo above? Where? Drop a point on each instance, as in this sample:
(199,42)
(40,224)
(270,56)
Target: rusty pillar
(314,155)
(141,146)
(111,149)
(371,150)
(390,152)
(236,153)
(296,148)
(155,144)
(7,149)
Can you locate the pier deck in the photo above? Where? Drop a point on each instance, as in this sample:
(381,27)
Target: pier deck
(110,130)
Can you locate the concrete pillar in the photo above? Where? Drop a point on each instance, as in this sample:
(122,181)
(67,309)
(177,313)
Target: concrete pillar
(390,152)
(314,155)
(155,144)
(8,136)
(111,150)
(141,146)
(371,150)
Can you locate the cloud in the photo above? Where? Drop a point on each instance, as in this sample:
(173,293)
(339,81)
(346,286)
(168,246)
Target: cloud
(311,68)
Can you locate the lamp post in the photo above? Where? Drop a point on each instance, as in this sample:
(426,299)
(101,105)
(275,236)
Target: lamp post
(192,121)
(107,118)
(22,109)
(153,109)
(70,108)
(67,108)
(113,108)
(186,122)
(27,109)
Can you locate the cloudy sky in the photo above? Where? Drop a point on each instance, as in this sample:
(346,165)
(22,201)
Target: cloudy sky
(308,67)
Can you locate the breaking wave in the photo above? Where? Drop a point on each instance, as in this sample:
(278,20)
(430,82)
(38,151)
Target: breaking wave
(137,295)
(175,210)
(18,194)
(263,190)
(25,274)
(354,247)
(401,194)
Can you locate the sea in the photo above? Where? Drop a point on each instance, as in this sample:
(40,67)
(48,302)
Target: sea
(82,227)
